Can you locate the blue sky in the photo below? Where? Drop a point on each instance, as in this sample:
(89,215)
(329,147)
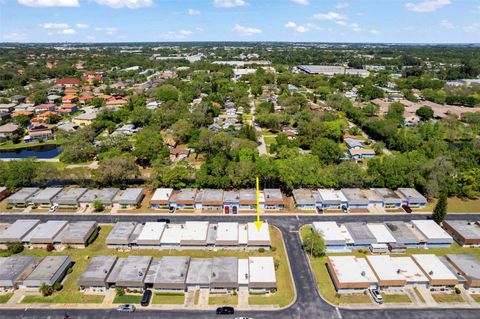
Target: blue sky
(419,21)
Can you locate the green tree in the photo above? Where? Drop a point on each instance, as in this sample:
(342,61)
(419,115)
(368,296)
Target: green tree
(313,244)
(117,170)
(425,113)
(45,290)
(149,146)
(327,151)
(440,210)
(98,206)
(182,131)
(167,93)
(15,248)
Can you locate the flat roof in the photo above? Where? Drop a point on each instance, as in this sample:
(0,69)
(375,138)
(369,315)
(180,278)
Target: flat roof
(243,272)
(224,270)
(45,195)
(46,231)
(331,196)
(355,196)
(403,234)
(172,234)
(468,230)
(151,233)
(133,269)
(412,194)
(360,233)
(409,269)
(227,232)
(104,195)
(242,234)
(194,231)
(384,268)
(273,196)
(433,267)
(12,267)
(258,236)
(69,196)
(185,196)
(331,233)
(172,270)
(129,196)
(261,269)
(432,231)
(212,197)
(389,196)
(304,197)
(48,268)
(161,195)
(467,264)
(121,233)
(19,229)
(22,195)
(381,233)
(231,196)
(200,271)
(248,196)
(350,269)
(76,232)
(98,269)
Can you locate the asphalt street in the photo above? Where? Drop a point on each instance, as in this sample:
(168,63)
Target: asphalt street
(308,304)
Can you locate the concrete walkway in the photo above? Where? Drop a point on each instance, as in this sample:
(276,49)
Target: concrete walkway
(189,299)
(17,297)
(467,297)
(243,297)
(109,297)
(203,299)
(429,301)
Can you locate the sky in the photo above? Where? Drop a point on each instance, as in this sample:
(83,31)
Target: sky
(390,21)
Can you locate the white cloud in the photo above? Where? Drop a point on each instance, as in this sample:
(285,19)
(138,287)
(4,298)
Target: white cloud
(373,31)
(67,31)
(193,12)
(342,5)
(246,30)
(301,2)
(297,27)
(82,26)
(90,37)
(177,35)
(15,36)
(330,16)
(427,5)
(447,24)
(53,25)
(110,30)
(49,3)
(98,29)
(130,4)
(229,3)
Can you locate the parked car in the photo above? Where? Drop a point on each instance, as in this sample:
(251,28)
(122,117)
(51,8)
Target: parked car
(171,210)
(126,308)
(147,294)
(53,208)
(163,220)
(407,208)
(376,296)
(319,210)
(225,311)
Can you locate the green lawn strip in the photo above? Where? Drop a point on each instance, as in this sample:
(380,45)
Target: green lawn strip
(419,294)
(447,298)
(354,298)
(223,300)
(196,297)
(6,297)
(476,297)
(168,298)
(396,298)
(11,146)
(270,140)
(127,298)
(455,205)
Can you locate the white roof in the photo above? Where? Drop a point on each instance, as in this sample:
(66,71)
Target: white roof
(350,269)
(381,233)
(258,235)
(409,269)
(151,232)
(332,195)
(346,234)
(384,268)
(261,269)
(172,234)
(195,231)
(242,234)
(227,232)
(433,267)
(330,232)
(162,194)
(431,230)
(243,272)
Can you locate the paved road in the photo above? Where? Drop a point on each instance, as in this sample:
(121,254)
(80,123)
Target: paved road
(308,303)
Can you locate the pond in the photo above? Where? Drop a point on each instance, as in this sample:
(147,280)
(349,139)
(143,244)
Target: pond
(38,151)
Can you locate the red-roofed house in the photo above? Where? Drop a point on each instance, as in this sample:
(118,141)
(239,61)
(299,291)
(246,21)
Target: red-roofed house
(68,108)
(69,99)
(44,107)
(68,82)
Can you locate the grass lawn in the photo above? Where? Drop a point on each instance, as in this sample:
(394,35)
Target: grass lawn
(396,298)
(455,205)
(476,297)
(196,297)
(223,300)
(419,294)
(354,298)
(10,146)
(270,140)
(448,298)
(6,297)
(81,257)
(132,299)
(168,299)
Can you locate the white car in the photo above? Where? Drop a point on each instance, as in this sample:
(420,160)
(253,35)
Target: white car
(54,208)
(376,296)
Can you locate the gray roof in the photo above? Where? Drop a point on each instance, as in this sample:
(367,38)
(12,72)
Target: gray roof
(200,271)
(231,196)
(69,196)
(304,197)
(389,196)
(466,229)
(45,233)
(355,196)
(360,233)
(212,195)
(467,264)
(402,233)
(104,195)
(172,270)
(48,270)
(18,230)
(77,232)
(247,195)
(121,233)
(45,196)
(272,194)
(353,142)
(133,271)
(22,196)
(185,195)
(11,268)
(97,270)
(412,195)
(224,272)
(129,196)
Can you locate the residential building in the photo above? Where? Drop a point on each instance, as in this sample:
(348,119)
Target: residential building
(305,199)
(94,277)
(183,199)
(356,199)
(130,272)
(437,273)
(403,234)
(351,274)
(332,199)
(433,234)
(247,199)
(261,273)
(76,234)
(170,274)
(231,202)
(45,197)
(44,234)
(17,231)
(14,269)
(7,131)
(469,267)
(273,199)
(224,274)
(129,198)
(336,238)
(70,197)
(412,197)
(361,234)
(390,198)
(161,197)
(465,233)
(50,270)
(104,196)
(22,197)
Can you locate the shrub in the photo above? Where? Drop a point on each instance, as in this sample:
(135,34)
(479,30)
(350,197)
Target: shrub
(46,290)
(273,249)
(57,286)
(15,248)
(69,270)
(314,244)
(98,206)
(120,292)
(261,250)
(50,247)
(457,290)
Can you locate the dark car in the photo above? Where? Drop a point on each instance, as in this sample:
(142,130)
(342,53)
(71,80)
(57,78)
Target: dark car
(225,311)
(171,209)
(163,220)
(407,208)
(147,294)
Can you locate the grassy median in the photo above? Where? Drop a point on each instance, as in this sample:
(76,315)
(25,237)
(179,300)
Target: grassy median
(168,298)
(5,297)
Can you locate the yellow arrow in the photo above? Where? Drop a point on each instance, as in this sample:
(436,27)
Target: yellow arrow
(258,223)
